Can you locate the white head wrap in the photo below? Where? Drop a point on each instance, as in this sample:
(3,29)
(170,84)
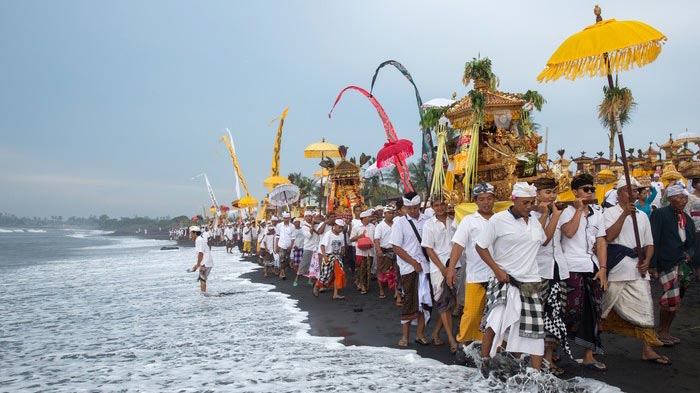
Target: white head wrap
(622,183)
(286,215)
(367,213)
(308,213)
(676,189)
(429,212)
(274,218)
(195,228)
(340,222)
(523,190)
(412,202)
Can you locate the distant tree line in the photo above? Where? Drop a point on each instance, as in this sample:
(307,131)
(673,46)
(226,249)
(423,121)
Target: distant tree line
(103,222)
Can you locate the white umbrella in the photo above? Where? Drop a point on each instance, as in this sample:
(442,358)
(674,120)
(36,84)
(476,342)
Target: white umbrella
(373,171)
(686,135)
(437,103)
(283,195)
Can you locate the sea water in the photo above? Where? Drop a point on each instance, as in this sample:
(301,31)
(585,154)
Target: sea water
(85,312)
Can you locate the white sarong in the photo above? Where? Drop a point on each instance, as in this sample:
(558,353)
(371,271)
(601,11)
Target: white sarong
(631,301)
(504,319)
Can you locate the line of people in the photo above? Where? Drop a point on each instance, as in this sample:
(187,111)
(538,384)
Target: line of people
(528,280)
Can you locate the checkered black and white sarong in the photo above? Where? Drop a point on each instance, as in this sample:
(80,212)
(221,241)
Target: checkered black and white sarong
(554,304)
(532,310)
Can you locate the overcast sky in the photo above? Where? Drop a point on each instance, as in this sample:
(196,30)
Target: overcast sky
(112,107)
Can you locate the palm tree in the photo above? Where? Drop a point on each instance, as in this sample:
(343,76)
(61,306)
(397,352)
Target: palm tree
(418,179)
(393,177)
(617,102)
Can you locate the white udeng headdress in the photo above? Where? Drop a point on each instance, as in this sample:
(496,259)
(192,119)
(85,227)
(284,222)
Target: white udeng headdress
(412,202)
(522,189)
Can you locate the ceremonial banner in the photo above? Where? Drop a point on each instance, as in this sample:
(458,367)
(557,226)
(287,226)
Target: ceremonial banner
(427,147)
(209,189)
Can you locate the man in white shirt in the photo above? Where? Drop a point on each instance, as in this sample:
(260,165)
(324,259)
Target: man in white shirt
(659,190)
(331,270)
(267,244)
(297,245)
(247,238)
(205,262)
(553,270)
(437,233)
(413,267)
(386,270)
(363,254)
(627,306)
(350,251)
(513,303)
(283,247)
(583,230)
(478,272)
(228,238)
(254,231)
(310,243)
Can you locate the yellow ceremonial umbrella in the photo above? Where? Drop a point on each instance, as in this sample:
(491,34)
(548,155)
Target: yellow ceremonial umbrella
(247,201)
(273,181)
(599,50)
(323,172)
(321,150)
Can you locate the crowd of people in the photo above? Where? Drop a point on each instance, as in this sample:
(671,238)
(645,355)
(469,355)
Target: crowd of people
(531,279)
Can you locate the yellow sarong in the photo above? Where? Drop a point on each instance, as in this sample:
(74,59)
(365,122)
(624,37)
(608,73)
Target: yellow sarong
(474,304)
(246,246)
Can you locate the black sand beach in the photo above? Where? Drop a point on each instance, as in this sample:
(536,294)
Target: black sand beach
(368,320)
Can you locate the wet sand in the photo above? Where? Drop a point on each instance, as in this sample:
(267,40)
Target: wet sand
(368,320)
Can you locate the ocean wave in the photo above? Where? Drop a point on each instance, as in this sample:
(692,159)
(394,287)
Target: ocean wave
(142,326)
(84,233)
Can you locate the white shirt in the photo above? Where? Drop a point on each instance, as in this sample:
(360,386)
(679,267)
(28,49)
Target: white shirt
(383,233)
(465,235)
(402,235)
(267,242)
(200,245)
(228,233)
(356,222)
(326,229)
(579,249)
(298,238)
(626,270)
(247,234)
(311,238)
(369,232)
(437,236)
(552,252)
(332,242)
(659,192)
(515,244)
(286,235)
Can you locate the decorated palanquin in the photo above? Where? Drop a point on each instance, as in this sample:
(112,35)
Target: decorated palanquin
(345,189)
(497,147)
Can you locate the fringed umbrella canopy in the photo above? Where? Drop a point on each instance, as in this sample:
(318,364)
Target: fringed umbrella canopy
(273,181)
(247,201)
(284,194)
(626,44)
(393,151)
(321,150)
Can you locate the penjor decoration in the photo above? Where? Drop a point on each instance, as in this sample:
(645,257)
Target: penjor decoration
(397,150)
